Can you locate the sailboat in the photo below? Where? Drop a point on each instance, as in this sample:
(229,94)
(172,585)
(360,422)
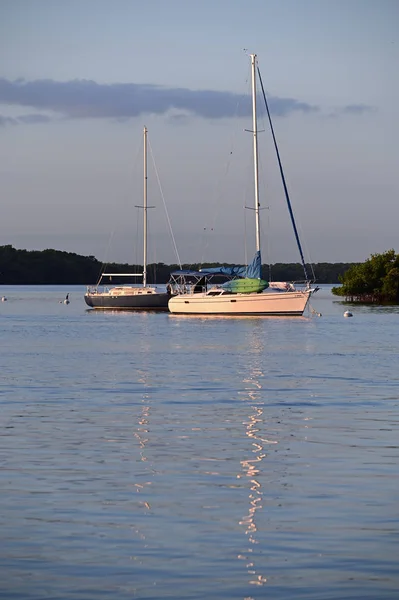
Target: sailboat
(244,292)
(129,297)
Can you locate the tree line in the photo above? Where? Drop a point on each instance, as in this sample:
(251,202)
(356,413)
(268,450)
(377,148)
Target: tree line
(376,281)
(55,267)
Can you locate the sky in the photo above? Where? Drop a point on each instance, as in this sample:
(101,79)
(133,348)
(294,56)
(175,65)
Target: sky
(79,80)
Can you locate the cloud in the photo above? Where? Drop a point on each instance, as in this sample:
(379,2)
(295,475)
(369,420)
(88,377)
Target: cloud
(33,119)
(23,119)
(357,109)
(7,121)
(352,109)
(79,99)
(281,107)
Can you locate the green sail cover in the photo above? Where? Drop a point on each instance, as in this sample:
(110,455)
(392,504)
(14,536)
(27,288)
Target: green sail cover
(245,286)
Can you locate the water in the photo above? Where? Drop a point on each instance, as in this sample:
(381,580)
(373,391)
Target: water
(152,456)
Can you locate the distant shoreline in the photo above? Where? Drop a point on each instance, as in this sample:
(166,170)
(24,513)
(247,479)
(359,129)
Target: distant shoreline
(56,267)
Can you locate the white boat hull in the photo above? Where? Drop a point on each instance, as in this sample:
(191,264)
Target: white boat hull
(278,304)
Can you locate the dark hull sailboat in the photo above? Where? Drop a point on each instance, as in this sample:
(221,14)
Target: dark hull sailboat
(129,297)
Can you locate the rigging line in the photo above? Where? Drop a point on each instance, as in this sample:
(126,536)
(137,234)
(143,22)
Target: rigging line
(310,263)
(106,261)
(136,239)
(265,233)
(269,246)
(283,179)
(223,177)
(248,194)
(164,204)
(245,237)
(152,254)
(204,245)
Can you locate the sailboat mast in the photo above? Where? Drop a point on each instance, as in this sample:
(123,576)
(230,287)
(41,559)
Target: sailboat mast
(145,211)
(255,147)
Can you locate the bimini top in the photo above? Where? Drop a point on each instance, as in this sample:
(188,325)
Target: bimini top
(187,272)
(252,271)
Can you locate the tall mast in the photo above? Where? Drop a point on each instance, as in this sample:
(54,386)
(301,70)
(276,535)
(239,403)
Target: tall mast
(145,211)
(255,138)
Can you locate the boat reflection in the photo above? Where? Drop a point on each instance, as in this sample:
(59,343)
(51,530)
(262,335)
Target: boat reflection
(252,465)
(273,318)
(141,434)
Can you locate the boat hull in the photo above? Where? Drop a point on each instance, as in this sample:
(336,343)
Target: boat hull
(156,302)
(278,304)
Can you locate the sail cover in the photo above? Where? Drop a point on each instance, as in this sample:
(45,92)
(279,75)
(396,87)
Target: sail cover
(252,271)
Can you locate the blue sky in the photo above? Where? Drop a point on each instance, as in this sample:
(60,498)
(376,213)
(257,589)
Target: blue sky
(80,79)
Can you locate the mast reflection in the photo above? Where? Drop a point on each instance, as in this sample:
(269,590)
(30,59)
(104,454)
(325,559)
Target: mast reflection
(141,434)
(251,466)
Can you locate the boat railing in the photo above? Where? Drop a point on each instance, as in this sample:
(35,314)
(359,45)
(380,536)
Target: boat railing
(95,289)
(178,289)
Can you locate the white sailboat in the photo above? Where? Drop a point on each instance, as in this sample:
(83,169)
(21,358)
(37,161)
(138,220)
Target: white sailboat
(245,292)
(129,297)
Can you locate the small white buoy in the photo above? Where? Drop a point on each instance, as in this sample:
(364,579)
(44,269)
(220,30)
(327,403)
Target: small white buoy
(347,313)
(4,299)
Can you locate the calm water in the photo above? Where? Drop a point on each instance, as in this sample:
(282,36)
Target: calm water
(151,456)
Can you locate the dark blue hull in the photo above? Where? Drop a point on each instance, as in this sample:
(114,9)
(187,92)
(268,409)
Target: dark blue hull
(157,302)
